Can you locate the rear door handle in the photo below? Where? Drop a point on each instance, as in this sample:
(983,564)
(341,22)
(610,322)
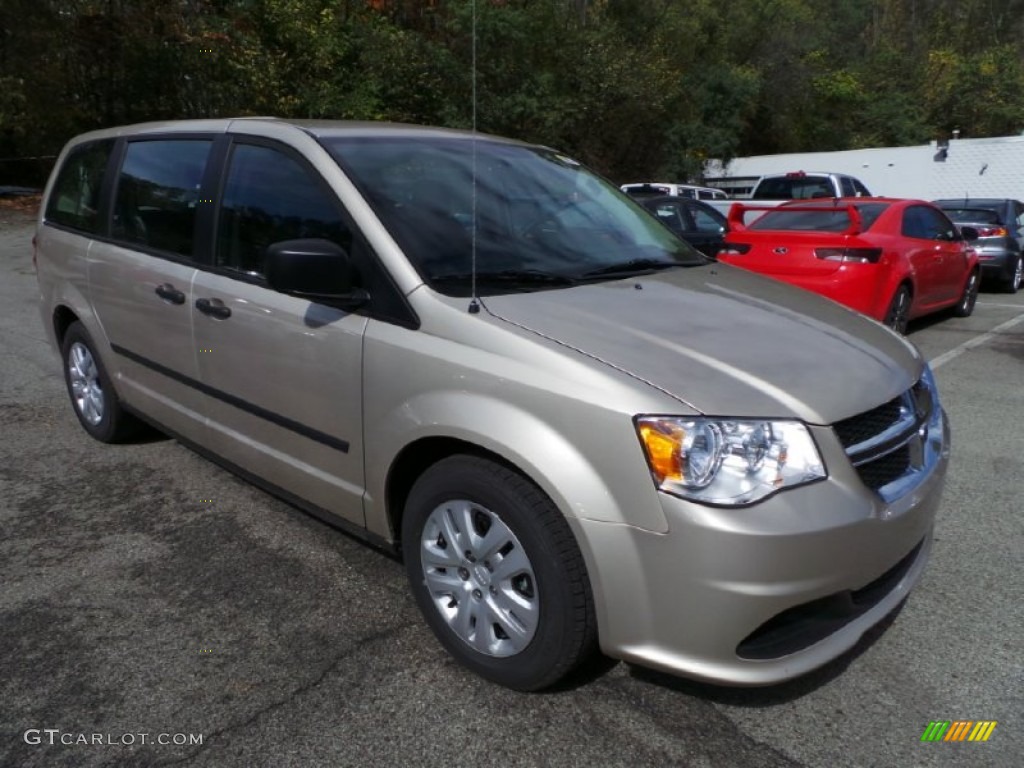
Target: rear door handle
(170,294)
(214,308)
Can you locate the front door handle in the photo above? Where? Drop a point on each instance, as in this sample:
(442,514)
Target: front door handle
(214,308)
(170,294)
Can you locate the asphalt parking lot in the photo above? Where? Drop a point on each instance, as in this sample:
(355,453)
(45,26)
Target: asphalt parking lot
(148,596)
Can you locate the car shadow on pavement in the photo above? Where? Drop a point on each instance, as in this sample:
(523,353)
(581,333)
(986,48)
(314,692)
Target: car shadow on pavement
(773,695)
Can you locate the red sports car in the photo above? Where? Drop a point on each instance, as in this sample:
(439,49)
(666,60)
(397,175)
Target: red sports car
(893,260)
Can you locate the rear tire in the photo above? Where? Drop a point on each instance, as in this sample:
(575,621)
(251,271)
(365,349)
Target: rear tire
(1012,285)
(497,573)
(899,310)
(93,398)
(965,307)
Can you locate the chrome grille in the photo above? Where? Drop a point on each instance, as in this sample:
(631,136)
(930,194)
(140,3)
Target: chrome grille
(864,426)
(884,443)
(887,469)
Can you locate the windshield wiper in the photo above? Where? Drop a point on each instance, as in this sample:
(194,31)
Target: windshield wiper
(631,267)
(507,276)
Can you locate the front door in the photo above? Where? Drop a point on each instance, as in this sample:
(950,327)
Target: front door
(282,375)
(931,256)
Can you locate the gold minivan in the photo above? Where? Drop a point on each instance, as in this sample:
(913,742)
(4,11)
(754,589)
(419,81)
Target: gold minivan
(579,434)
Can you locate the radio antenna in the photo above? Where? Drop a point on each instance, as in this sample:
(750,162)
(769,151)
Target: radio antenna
(474,303)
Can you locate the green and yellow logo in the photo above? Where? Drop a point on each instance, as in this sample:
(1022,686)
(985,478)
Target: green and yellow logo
(958,730)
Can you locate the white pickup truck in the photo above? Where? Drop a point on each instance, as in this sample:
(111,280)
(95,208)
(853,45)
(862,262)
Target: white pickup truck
(776,188)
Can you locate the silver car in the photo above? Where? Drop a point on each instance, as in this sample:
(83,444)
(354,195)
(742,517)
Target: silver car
(579,433)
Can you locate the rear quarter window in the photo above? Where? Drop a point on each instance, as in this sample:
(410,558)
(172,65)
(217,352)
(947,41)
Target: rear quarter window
(75,198)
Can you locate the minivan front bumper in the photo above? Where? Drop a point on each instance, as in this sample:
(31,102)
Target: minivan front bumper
(759,595)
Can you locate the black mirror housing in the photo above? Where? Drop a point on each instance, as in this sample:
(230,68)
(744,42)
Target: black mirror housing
(312,268)
(970,234)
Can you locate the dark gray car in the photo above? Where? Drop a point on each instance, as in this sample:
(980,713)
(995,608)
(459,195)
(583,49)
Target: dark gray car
(697,223)
(1000,244)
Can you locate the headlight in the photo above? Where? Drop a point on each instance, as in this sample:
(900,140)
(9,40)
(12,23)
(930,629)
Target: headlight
(726,461)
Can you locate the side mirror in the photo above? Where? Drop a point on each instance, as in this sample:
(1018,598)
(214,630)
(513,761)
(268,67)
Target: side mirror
(970,234)
(313,269)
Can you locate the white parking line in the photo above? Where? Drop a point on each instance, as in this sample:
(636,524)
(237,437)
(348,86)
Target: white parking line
(1002,306)
(977,341)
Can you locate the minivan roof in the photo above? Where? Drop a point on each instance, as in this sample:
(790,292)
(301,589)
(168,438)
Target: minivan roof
(316,128)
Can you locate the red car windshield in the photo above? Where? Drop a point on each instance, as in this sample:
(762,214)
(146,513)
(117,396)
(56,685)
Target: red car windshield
(830,217)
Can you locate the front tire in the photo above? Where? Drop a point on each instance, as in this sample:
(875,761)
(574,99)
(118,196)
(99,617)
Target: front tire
(497,573)
(93,398)
(965,307)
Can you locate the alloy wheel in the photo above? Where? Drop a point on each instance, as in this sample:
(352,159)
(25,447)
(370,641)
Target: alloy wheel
(86,391)
(479,578)
(899,311)
(970,295)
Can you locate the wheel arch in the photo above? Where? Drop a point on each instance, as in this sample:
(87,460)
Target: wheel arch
(584,477)
(415,459)
(905,280)
(63,317)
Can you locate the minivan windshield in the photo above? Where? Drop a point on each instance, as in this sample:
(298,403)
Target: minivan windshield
(536,218)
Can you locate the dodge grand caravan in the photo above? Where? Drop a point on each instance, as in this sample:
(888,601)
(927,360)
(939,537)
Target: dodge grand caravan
(580,435)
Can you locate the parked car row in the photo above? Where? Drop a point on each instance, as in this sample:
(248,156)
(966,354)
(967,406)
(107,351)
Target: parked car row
(894,260)
(659,188)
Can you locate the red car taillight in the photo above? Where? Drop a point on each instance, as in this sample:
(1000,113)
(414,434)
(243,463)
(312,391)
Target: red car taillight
(854,255)
(733,249)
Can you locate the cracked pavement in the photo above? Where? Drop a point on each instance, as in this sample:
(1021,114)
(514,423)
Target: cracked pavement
(145,590)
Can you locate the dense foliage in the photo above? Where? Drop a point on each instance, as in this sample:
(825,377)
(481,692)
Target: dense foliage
(636,88)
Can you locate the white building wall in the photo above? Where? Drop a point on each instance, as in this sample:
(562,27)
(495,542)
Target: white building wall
(976,167)
(982,168)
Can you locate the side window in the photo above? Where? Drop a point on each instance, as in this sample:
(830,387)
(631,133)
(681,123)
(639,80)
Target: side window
(860,189)
(269,196)
(75,198)
(940,225)
(913,225)
(847,185)
(926,224)
(158,191)
(670,215)
(706,222)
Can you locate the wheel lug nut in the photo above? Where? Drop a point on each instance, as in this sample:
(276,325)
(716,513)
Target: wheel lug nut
(477,594)
(463,574)
(493,590)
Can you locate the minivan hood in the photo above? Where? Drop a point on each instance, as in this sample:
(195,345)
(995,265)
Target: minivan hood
(726,342)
